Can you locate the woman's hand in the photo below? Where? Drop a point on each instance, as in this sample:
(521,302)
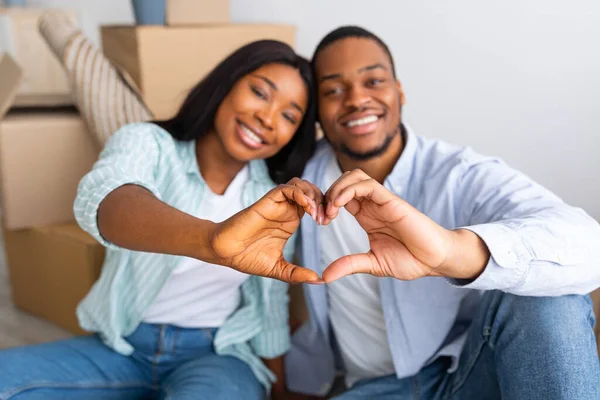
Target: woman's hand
(252,240)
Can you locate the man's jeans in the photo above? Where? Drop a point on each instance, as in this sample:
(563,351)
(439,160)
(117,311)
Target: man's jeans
(168,363)
(523,348)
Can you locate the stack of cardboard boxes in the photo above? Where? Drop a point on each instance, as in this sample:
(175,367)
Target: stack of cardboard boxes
(44,152)
(45,149)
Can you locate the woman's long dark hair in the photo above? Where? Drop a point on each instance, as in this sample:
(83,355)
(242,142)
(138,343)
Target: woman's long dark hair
(196,116)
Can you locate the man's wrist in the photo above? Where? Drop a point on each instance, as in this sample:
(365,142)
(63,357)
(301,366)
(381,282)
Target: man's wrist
(468,257)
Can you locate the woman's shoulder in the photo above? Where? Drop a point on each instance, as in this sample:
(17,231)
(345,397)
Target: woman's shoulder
(144,137)
(143,129)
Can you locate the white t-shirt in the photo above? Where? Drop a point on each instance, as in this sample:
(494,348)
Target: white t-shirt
(199,294)
(355,308)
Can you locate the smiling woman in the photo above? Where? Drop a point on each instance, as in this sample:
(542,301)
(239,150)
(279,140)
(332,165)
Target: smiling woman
(257,96)
(193,223)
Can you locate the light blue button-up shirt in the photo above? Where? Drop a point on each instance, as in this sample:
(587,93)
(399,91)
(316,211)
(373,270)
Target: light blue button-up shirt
(539,246)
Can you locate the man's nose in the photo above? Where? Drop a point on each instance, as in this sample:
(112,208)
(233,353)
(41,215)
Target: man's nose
(356,97)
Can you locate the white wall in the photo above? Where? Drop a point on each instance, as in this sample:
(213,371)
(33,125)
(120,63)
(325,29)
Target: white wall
(519,79)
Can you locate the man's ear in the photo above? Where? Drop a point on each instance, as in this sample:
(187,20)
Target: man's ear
(399,86)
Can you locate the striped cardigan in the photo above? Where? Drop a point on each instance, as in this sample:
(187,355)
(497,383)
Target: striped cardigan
(146,155)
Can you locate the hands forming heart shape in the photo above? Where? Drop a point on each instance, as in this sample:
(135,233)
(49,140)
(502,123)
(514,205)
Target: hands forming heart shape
(404,243)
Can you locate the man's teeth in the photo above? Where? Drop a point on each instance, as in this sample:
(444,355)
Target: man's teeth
(362,121)
(251,134)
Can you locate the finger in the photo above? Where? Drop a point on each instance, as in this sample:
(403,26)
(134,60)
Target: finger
(331,188)
(297,196)
(348,265)
(367,189)
(338,186)
(353,206)
(313,192)
(321,215)
(309,189)
(292,273)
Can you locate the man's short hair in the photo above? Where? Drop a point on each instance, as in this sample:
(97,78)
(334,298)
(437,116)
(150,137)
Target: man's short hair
(350,31)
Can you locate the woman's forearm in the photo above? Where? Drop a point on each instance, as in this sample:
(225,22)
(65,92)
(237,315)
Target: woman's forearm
(133,218)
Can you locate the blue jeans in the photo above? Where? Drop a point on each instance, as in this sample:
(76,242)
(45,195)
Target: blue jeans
(517,348)
(168,363)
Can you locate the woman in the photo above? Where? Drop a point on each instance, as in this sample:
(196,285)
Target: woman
(174,202)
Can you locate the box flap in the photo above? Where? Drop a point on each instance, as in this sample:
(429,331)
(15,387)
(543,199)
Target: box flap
(11,76)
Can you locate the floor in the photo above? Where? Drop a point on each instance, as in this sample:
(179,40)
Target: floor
(17,327)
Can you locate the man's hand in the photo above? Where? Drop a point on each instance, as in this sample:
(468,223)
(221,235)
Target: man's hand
(405,244)
(252,240)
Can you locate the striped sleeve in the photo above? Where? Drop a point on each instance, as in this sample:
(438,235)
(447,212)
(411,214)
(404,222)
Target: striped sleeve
(130,157)
(274,338)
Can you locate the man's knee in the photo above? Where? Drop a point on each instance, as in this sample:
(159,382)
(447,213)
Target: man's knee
(549,318)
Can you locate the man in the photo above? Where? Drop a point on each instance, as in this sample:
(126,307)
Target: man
(450,274)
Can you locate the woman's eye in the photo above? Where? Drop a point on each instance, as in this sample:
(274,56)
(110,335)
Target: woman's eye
(290,118)
(259,93)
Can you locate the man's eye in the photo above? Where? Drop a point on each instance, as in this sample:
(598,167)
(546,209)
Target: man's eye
(334,91)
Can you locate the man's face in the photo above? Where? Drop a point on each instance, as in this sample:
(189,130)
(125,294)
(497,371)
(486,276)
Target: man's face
(359,99)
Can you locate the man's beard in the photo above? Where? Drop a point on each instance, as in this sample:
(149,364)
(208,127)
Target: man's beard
(369,154)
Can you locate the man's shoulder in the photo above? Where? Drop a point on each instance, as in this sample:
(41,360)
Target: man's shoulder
(438,152)
(437,160)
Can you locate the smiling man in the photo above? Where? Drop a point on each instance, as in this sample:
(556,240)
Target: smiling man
(450,274)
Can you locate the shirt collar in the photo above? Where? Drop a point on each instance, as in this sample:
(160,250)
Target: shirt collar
(257,168)
(400,176)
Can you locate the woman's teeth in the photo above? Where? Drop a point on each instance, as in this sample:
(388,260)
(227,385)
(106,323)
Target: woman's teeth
(362,121)
(251,135)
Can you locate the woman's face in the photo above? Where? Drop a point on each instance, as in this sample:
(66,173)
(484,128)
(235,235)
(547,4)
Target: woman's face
(262,112)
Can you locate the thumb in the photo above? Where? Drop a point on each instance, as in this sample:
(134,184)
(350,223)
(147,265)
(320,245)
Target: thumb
(347,265)
(291,273)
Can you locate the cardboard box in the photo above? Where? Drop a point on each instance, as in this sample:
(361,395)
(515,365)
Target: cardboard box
(43,156)
(166,62)
(10,80)
(51,269)
(596,299)
(45,82)
(197,12)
